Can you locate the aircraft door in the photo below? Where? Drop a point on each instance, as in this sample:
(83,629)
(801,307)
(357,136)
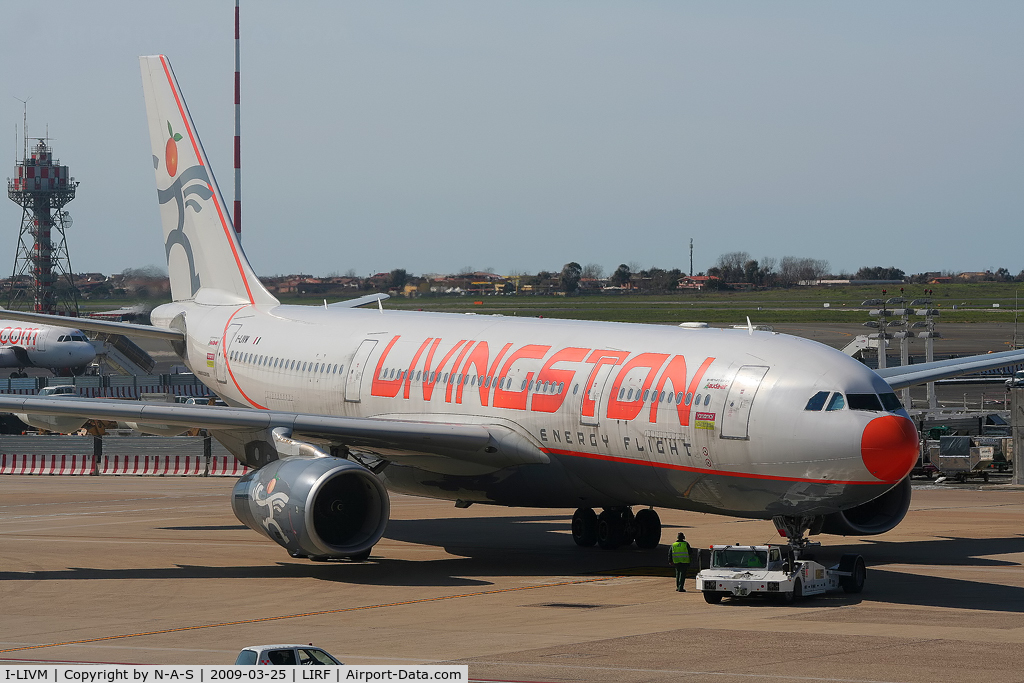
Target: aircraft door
(223,349)
(355,370)
(591,400)
(736,414)
(41,339)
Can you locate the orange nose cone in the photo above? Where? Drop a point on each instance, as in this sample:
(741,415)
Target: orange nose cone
(889,447)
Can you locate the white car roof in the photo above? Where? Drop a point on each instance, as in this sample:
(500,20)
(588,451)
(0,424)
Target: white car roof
(280,647)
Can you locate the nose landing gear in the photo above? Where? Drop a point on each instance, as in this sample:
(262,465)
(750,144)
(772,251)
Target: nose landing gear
(795,529)
(616,527)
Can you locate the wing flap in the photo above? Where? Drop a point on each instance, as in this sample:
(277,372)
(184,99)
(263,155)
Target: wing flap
(492,445)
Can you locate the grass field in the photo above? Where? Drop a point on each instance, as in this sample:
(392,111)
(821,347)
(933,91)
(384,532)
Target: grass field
(972,302)
(960,303)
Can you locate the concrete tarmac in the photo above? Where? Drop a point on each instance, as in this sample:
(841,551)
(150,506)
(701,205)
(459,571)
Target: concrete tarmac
(158,571)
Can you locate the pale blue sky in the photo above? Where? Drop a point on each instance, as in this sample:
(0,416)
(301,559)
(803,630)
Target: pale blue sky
(521,135)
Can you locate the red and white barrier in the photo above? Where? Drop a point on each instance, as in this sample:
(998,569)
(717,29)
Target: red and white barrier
(153,465)
(11,463)
(226,466)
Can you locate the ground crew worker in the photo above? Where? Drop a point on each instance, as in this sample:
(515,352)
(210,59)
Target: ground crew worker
(679,557)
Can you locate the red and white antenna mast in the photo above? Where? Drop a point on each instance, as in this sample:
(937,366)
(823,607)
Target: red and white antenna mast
(237,218)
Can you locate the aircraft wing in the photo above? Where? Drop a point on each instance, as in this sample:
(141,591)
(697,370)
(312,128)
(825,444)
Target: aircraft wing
(909,375)
(361,301)
(105,326)
(482,444)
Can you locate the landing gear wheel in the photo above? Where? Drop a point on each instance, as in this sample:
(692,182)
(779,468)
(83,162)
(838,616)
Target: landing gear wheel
(648,529)
(855,565)
(584,527)
(627,529)
(608,533)
(713,597)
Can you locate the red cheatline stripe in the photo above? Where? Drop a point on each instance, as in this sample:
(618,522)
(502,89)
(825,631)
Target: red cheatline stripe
(216,196)
(234,250)
(698,470)
(227,366)
(181,109)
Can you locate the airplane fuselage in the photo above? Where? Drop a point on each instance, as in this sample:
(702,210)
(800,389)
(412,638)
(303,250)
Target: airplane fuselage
(24,345)
(702,419)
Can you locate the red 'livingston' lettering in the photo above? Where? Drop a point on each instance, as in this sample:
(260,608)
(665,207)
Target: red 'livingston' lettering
(628,410)
(455,379)
(598,358)
(517,399)
(477,356)
(412,365)
(387,388)
(549,403)
(676,374)
(429,378)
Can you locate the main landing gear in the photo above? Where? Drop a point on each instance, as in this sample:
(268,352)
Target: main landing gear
(616,527)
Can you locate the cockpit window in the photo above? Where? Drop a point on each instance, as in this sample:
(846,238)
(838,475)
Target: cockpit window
(837,402)
(817,402)
(864,402)
(891,402)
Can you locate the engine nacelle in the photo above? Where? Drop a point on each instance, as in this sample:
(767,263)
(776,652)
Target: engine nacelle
(874,517)
(62,424)
(157,429)
(318,507)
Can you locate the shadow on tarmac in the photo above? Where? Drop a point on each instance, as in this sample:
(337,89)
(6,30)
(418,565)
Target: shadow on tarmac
(539,546)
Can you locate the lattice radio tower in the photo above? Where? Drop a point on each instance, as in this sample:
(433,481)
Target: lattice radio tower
(42,265)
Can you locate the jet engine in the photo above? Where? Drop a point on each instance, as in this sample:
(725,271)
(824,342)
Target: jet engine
(61,424)
(874,517)
(316,507)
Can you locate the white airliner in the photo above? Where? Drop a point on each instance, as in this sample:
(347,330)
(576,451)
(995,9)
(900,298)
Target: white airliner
(336,405)
(61,349)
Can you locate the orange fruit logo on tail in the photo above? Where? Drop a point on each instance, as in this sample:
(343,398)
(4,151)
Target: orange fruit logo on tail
(171,151)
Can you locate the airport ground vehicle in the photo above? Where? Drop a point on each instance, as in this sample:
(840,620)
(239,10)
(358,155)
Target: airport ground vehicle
(284,655)
(1016,381)
(775,571)
(59,390)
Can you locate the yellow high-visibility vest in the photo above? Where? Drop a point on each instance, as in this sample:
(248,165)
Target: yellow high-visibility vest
(681,552)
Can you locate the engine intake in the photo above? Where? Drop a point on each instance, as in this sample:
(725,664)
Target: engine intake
(318,507)
(874,517)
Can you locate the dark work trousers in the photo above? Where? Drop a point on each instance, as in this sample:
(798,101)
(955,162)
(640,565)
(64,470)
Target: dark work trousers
(681,570)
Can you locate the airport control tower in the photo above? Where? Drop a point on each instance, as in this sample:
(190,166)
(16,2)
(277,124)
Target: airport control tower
(42,266)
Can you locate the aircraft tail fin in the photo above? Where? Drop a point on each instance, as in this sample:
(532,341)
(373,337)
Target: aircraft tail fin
(202,249)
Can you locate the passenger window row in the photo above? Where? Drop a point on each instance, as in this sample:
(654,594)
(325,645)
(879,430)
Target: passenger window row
(628,395)
(277,363)
(505,383)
